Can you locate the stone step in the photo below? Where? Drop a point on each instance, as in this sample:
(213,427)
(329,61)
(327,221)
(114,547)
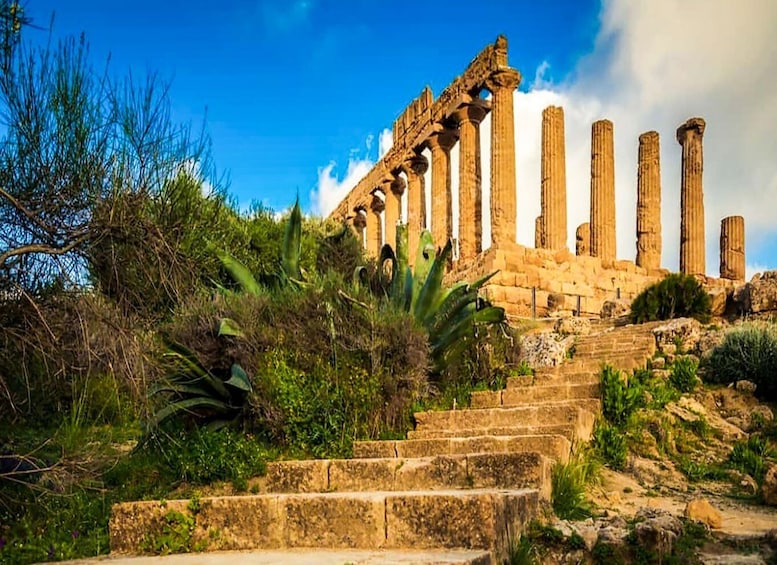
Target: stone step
(565,412)
(554,377)
(511,470)
(570,431)
(307,556)
(556,447)
(467,519)
(536,394)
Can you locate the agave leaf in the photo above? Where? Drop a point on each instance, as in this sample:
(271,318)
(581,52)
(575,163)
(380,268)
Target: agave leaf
(407,299)
(454,302)
(292,241)
(229,327)
(386,254)
(423,263)
(189,405)
(239,379)
(398,278)
(360,275)
(192,371)
(180,388)
(239,273)
(483,280)
(429,295)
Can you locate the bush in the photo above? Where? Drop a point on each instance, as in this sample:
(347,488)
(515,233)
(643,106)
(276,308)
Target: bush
(682,374)
(354,375)
(620,396)
(569,482)
(746,353)
(677,296)
(610,444)
(750,457)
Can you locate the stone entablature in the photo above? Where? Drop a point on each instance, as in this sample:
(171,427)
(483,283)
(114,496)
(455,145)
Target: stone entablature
(590,275)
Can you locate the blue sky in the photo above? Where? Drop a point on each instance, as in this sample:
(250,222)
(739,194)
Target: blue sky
(299,93)
(291,85)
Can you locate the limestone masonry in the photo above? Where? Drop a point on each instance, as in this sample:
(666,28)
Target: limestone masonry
(579,282)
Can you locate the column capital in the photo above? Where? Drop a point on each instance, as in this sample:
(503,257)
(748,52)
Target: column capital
(692,125)
(443,138)
(360,219)
(472,112)
(398,186)
(377,204)
(416,165)
(506,78)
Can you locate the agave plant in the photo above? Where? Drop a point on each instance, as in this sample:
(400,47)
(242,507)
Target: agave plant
(194,392)
(290,271)
(449,315)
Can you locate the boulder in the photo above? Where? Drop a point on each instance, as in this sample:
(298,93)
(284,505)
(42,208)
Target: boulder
(745,386)
(700,510)
(573,326)
(685,331)
(615,308)
(761,293)
(657,530)
(658,363)
(718,298)
(769,486)
(545,349)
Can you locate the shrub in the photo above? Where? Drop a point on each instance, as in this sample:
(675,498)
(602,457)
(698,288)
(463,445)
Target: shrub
(750,457)
(682,375)
(610,444)
(620,396)
(746,353)
(676,296)
(569,482)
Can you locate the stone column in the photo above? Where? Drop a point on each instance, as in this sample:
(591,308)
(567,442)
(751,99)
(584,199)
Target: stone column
(553,179)
(374,228)
(469,117)
(583,239)
(394,190)
(415,168)
(602,191)
(539,232)
(502,84)
(649,202)
(440,143)
(692,254)
(732,248)
(359,223)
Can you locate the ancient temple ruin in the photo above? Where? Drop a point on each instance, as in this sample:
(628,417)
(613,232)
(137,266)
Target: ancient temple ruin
(548,276)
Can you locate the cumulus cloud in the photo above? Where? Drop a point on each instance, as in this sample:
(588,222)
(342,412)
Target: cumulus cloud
(331,188)
(654,65)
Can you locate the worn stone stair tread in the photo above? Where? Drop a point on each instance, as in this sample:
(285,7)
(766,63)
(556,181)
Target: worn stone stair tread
(549,377)
(514,469)
(537,394)
(461,519)
(561,412)
(555,446)
(568,431)
(306,557)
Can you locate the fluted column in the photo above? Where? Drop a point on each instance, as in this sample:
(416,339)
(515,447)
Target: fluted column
(553,179)
(583,239)
(539,232)
(359,225)
(692,254)
(440,143)
(649,202)
(415,168)
(393,191)
(732,248)
(374,228)
(469,117)
(602,191)
(502,84)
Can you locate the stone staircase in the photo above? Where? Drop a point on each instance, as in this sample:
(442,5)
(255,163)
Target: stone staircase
(457,490)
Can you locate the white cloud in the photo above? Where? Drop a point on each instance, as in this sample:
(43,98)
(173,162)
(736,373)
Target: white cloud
(654,65)
(752,269)
(331,189)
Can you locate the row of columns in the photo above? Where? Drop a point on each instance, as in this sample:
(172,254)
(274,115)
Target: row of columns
(463,126)
(596,238)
